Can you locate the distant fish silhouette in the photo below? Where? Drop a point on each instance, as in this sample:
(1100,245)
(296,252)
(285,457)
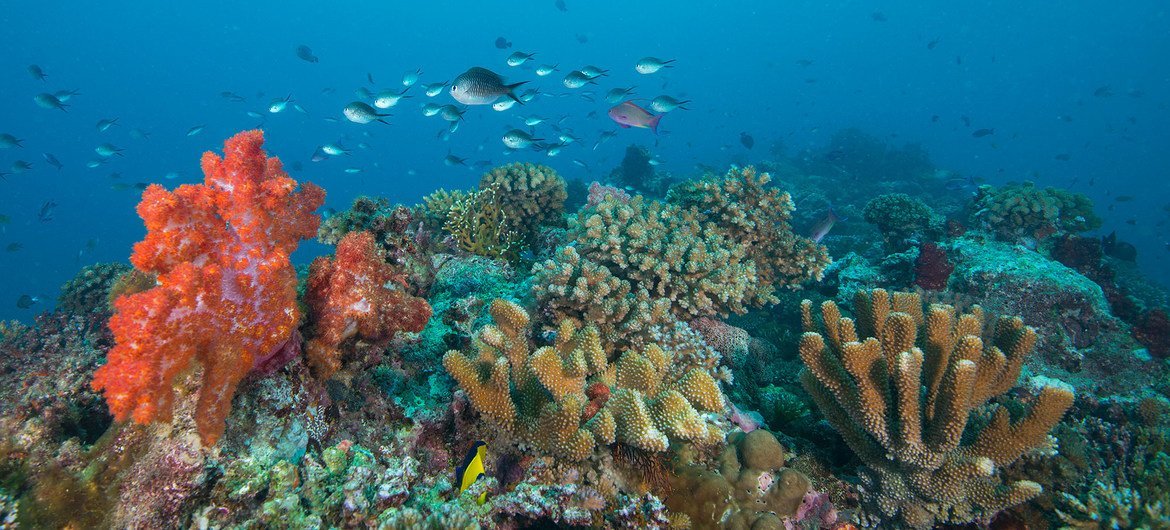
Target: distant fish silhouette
(503,43)
(306,54)
(561,5)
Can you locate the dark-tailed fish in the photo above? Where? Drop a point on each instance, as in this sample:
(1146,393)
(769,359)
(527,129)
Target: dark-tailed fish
(37,72)
(64,95)
(517,139)
(410,78)
(577,79)
(388,98)
(318,155)
(519,58)
(452,160)
(503,105)
(52,160)
(472,467)
(615,95)
(19,166)
(195,130)
(667,104)
(604,137)
(450,113)
(650,65)
(545,69)
(25,301)
(430,109)
(567,138)
(7,141)
(581,163)
(434,89)
(747,140)
(553,150)
(232,96)
(46,212)
(334,150)
(305,53)
(279,104)
(822,227)
(362,113)
(1103,92)
(980,133)
(581,37)
(254,114)
(370,77)
(627,115)
(503,43)
(480,86)
(104,124)
(49,101)
(592,72)
(107,150)
(528,95)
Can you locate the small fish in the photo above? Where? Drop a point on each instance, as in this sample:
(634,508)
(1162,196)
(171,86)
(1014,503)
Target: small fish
(13,247)
(533,121)
(667,104)
(517,139)
(1063,157)
(362,113)
(139,134)
(254,114)
(519,58)
(877,16)
(25,301)
(195,130)
(1123,198)
(388,98)
(628,115)
(410,78)
(581,164)
(305,53)
(318,155)
(94,164)
(503,105)
(353,170)
(566,138)
(650,65)
(107,150)
(452,160)
(472,466)
(49,101)
(434,89)
(334,150)
(46,212)
(581,38)
(933,42)
(430,109)
(615,95)
(747,140)
(553,150)
(279,104)
(20,166)
(52,160)
(503,43)
(451,113)
(480,86)
(104,124)
(37,72)
(960,183)
(7,141)
(1103,92)
(363,93)
(232,96)
(577,79)
(821,229)
(966,121)
(934,118)
(605,136)
(65,95)
(592,72)
(980,133)
(546,69)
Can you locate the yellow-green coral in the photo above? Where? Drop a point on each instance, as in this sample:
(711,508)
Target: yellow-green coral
(541,395)
(900,384)
(530,195)
(480,226)
(900,217)
(435,207)
(742,207)
(1018,211)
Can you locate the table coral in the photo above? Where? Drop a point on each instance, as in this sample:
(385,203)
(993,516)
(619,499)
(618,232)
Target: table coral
(1023,212)
(226,294)
(542,395)
(357,294)
(922,466)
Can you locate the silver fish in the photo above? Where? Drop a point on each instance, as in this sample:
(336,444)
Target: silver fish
(480,86)
(667,104)
(577,79)
(388,98)
(546,69)
(49,101)
(517,139)
(362,113)
(649,65)
(519,58)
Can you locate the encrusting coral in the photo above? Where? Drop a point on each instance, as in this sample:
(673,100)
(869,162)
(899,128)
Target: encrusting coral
(567,398)
(1017,212)
(903,405)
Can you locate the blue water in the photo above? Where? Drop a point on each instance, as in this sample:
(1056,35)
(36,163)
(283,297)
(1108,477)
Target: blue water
(160,67)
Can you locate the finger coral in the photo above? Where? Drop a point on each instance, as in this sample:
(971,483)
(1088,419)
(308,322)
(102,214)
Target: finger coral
(226,293)
(551,395)
(357,294)
(900,385)
(1019,212)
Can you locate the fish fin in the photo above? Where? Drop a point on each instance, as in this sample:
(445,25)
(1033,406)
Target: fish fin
(512,94)
(380,120)
(622,125)
(653,123)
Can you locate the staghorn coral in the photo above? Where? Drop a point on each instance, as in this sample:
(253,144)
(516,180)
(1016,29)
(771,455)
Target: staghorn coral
(746,211)
(530,196)
(543,395)
(226,294)
(481,226)
(666,251)
(922,467)
(1022,212)
(1111,506)
(900,217)
(357,294)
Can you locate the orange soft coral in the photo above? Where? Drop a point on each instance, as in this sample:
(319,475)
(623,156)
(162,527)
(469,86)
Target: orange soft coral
(357,294)
(226,293)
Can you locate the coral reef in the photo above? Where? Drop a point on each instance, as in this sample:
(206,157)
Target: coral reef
(1025,213)
(902,220)
(88,292)
(932,269)
(529,195)
(226,294)
(482,227)
(867,376)
(357,294)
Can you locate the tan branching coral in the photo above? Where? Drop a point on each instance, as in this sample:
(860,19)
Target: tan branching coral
(900,385)
(530,195)
(480,226)
(747,211)
(434,208)
(1023,211)
(550,396)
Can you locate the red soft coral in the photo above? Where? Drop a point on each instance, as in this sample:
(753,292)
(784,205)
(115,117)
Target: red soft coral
(226,293)
(357,294)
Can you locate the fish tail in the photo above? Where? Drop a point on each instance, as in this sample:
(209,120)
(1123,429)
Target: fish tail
(667,64)
(511,91)
(653,123)
(684,102)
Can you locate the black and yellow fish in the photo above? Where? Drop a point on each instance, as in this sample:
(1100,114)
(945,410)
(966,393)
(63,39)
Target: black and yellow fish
(472,468)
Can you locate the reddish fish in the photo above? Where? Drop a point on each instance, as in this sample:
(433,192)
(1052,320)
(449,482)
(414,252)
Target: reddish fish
(821,229)
(628,115)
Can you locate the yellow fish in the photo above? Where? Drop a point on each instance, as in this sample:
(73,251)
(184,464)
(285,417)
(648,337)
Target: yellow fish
(472,468)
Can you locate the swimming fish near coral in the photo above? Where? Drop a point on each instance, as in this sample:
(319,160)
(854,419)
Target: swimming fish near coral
(822,228)
(472,468)
(627,114)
